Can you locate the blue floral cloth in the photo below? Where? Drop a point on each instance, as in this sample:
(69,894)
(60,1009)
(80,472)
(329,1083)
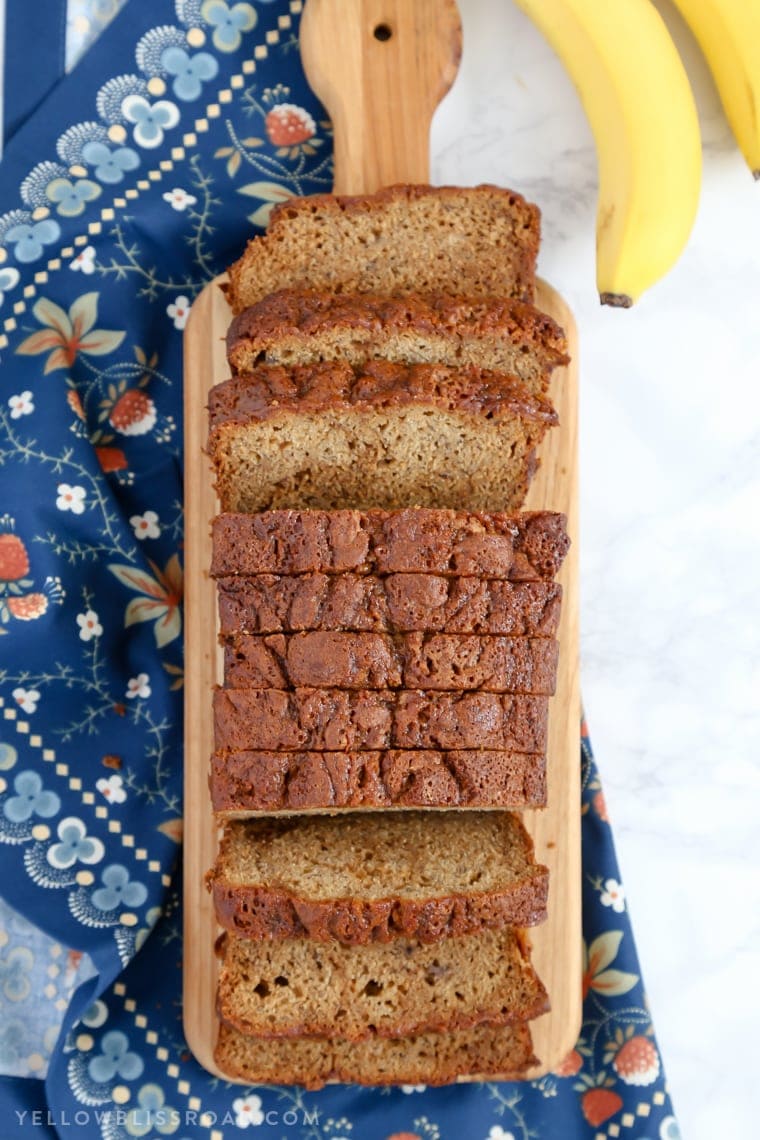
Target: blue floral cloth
(121,196)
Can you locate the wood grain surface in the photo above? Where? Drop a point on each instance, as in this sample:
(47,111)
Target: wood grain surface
(556,830)
(381,67)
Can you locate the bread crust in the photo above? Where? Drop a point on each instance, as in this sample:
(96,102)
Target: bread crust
(253,782)
(398,603)
(445,662)
(519,547)
(262,913)
(271,390)
(346,720)
(305,317)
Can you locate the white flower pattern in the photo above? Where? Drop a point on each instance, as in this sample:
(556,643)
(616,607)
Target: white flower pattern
(84,262)
(71,498)
(112,787)
(145,525)
(21,405)
(26,699)
(179,311)
(613,895)
(247,1111)
(89,625)
(138,686)
(179,199)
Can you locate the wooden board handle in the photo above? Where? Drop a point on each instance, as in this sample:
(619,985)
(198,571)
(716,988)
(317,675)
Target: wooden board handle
(381,67)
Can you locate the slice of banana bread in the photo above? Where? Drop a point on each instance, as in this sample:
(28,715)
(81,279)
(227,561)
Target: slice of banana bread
(444,661)
(381,435)
(245,783)
(345,720)
(377,876)
(398,603)
(495,1051)
(474,242)
(519,547)
(302,988)
(304,327)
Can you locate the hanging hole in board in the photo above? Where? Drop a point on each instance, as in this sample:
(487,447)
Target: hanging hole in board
(382,32)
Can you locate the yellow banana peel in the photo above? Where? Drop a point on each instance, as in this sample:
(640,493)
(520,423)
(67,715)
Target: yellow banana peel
(728,32)
(639,103)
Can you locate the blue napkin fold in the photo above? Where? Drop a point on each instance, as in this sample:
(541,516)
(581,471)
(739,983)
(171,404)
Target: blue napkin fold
(120,197)
(35,57)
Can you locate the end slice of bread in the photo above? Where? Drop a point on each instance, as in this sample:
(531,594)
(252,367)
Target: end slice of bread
(494,1051)
(478,242)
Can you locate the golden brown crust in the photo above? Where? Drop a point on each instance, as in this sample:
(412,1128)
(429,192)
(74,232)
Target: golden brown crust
(307,315)
(346,720)
(264,913)
(337,659)
(524,546)
(308,389)
(260,781)
(377,876)
(399,603)
(401,192)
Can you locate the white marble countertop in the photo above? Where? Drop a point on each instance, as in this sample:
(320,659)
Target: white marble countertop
(670,544)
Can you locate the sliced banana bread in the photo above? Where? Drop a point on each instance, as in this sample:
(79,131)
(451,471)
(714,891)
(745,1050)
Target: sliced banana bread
(519,547)
(474,242)
(377,876)
(345,720)
(381,435)
(445,661)
(300,987)
(304,327)
(398,603)
(244,783)
(502,1052)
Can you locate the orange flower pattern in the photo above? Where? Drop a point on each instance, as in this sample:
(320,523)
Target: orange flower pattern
(67,334)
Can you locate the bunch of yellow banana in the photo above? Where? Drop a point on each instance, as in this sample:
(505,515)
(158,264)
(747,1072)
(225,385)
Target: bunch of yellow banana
(728,31)
(638,100)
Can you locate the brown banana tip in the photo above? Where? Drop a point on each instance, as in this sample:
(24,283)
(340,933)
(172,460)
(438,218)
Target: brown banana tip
(616,300)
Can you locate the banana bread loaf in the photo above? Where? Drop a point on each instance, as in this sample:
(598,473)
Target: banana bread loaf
(494,1051)
(519,547)
(304,327)
(377,876)
(381,435)
(302,988)
(334,659)
(474,242)
(398,603)
(244,783)
(344,720)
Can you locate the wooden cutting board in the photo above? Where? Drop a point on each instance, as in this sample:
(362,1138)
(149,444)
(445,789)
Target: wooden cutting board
(373,85)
